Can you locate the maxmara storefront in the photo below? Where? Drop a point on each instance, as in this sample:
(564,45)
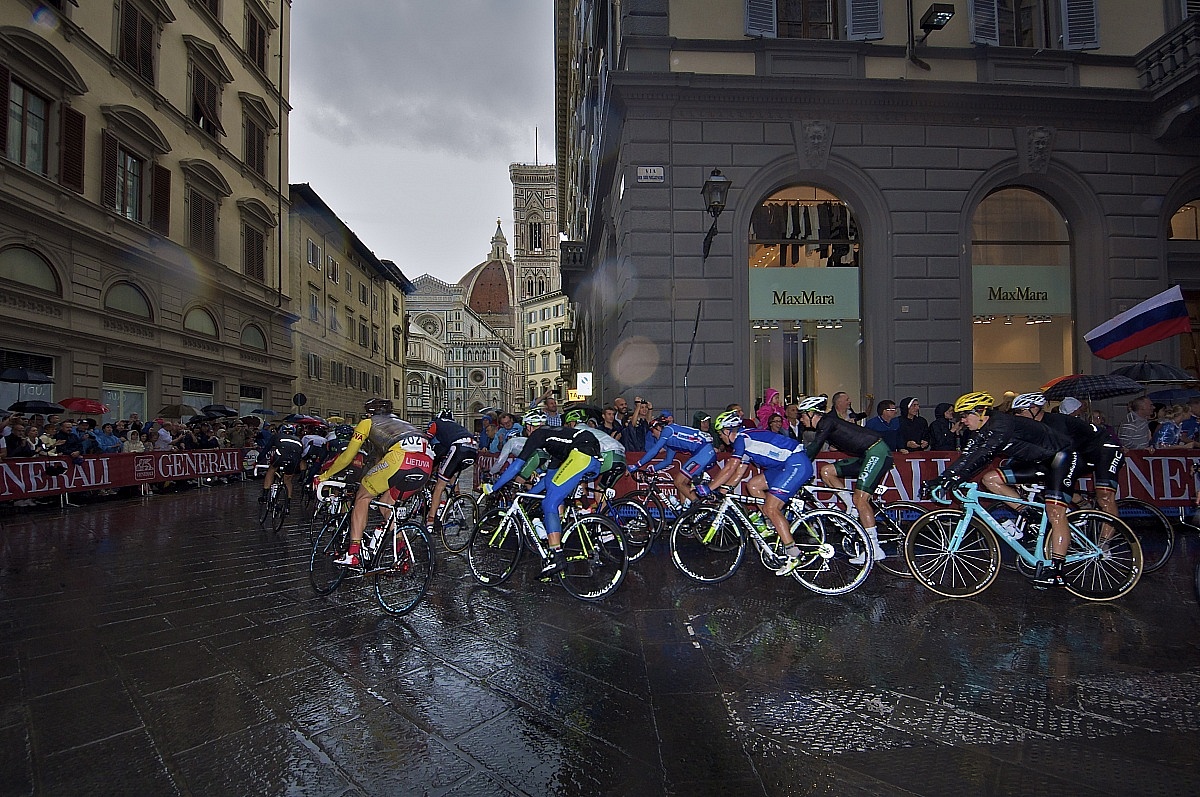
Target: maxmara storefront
(890,230)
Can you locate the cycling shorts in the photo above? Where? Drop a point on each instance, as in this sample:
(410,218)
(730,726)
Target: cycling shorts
(283,463)
(699,462)
(869,469)
(796,472)
(402,472)
(612,468)
(1059,472)
(1104,462)
(460,455)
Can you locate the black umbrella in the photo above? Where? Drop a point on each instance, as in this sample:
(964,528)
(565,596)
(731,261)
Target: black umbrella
(219,410)
(176,411)
(199,419)
(1146,371)
(1091,386)
(37,405)
(261,411)
(25,376)
(1174,395)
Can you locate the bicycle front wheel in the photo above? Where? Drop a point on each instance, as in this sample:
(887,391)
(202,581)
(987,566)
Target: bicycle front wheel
(956,571)
(328,545)
(264,512)
(1152,529)
(830,541)
(404,568)
(1104,560)
(596,558)
(458,521)
(635,523)
(892,523)
(494,548)
(278,513)
(705,550)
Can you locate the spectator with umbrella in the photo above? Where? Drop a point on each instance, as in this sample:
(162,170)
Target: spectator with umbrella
(1135,432)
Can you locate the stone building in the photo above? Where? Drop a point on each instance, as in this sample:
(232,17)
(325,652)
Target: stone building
(926,198)
(142,257)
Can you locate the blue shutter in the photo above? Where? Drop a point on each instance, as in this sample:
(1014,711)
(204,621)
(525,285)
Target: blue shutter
(1079,25)
(984,16)
(864,19)
(760,18)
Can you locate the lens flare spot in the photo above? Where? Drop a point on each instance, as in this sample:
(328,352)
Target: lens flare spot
(634,360)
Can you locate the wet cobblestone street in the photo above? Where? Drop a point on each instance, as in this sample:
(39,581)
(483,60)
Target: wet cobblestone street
(167,645)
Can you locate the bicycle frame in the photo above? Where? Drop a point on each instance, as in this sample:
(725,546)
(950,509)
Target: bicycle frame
(968,493)
(730,504)
(525,528)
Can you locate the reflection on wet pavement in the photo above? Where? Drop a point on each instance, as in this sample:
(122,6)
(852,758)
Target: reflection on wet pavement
(168,645)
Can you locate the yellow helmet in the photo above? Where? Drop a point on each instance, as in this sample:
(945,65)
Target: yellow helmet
(974,401)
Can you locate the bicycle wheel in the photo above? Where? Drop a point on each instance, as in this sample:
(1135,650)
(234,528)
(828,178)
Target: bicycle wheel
(458,521)
(596,558)
(404,568)
(827,569)
(265,511)
(494,548)
(1152,528)
(704,552)
(329,545)
(1105,574)
(892,523)
(967,570)
(278,513)
(635,523)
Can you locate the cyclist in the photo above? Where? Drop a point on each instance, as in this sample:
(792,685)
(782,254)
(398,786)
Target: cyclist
(612,453)
(403,464)
(673,438)
(869,461)
(1024,441)
(1098,454)
(283,457)
(456,448)
(314,447)
(571,455)
(785,469)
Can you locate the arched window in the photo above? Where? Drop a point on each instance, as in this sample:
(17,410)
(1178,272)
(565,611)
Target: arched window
(253,338)
(18,264)
(124,297)
(1021,280)
(1185,222)
(201,322)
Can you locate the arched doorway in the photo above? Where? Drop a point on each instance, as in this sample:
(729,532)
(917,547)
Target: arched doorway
(805,254)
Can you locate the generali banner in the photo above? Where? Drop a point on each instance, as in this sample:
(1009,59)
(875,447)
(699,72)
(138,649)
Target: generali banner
(27,478)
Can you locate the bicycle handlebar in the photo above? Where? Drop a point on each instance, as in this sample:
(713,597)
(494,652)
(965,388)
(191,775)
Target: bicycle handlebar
(333,484)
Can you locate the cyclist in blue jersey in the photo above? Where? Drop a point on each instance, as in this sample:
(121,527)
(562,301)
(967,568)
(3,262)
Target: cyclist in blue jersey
(457,449)
(673,438)
(785,469)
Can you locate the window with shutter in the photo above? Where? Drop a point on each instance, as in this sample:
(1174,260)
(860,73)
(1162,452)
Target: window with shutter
(256,40)
(864,19)
(70,172)
(760,18)
(806,19)
(202,223)
(129,185)
(1190,8)
(137,46)
(254,256)
(27,134)
(206,94)
(983,16)
(1079,25)
(256,147)
(160,199)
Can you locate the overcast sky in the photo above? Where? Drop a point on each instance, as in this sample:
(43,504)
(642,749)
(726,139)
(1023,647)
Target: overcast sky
(407,113)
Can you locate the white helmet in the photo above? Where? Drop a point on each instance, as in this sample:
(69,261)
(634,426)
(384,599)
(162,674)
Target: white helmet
(1027,401)
(812,403)
(534,417)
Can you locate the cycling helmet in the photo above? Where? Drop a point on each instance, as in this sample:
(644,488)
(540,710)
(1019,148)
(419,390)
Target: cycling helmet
(445,415)
(378,406)
(534,418)
(662,419)
(343,431)
(1027,401)
(575,416)
(812,403)
(287,428)
(728,420)
(973,402)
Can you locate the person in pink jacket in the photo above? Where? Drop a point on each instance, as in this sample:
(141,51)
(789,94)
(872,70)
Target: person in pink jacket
(772,405)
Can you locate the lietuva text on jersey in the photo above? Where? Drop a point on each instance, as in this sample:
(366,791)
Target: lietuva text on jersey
(559,442)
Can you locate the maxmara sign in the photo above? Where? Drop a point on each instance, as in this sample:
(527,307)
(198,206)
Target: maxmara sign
(804,294)
(1024,290)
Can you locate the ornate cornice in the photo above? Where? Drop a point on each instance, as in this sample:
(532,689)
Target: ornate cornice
(128,327)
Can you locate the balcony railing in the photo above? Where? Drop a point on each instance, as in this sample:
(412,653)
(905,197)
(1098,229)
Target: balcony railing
(566,343)
(1172,59)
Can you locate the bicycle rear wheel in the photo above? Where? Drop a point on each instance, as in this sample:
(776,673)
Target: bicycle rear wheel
(494,549)
(828,570)
(596,558)
(264,513)
(635,523)
(329,545)
(1105,574)
(967,570)
(892,523)
(705,552)
(277,509)
(404,568)
(1152,528)
(458,521)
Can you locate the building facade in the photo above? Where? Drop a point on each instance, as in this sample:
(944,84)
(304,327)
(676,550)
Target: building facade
(142,254)
(352,301)
(921,203)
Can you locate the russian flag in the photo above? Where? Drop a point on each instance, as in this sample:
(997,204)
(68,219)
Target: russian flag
(1155,319)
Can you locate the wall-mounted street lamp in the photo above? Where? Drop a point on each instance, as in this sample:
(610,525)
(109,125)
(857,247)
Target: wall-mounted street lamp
(935,18)
(715,191)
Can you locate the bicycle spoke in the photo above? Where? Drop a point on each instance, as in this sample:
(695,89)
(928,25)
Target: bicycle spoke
(956,571)
(403,568)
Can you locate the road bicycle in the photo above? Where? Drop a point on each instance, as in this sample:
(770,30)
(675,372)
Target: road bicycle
(396,552)
(644,513)
(597,559)
(336,501)
(709,542)
(455,518)
(892,520)
(954,551)
(275,510)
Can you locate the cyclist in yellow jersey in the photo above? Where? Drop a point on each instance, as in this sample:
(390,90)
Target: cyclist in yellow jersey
(403,464)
